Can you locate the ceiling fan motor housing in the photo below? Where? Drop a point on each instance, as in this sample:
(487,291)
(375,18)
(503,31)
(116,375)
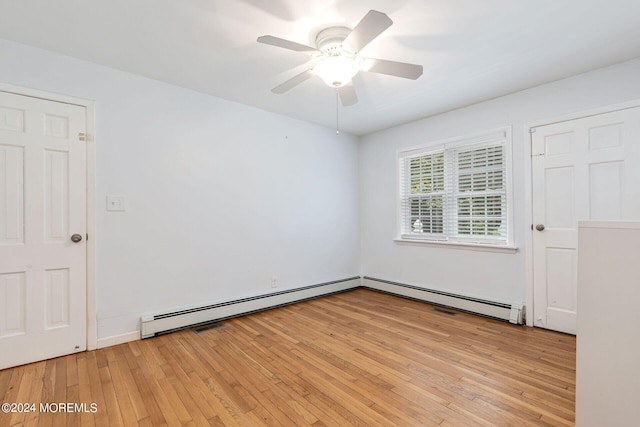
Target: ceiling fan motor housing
(329,41)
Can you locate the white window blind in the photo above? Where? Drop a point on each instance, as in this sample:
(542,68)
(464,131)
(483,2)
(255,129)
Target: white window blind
(457,191)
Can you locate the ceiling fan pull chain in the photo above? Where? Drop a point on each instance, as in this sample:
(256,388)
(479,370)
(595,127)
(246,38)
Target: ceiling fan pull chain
(337,122)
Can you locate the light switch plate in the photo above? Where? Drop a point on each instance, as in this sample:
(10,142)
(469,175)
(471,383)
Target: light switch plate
(116,203)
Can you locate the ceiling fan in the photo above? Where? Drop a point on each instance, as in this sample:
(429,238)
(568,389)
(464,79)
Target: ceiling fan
(338,61)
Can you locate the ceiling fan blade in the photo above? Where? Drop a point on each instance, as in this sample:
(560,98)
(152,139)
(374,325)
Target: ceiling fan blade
(286,44)
(293,82)
(370,27)
(347,94)
(393,68)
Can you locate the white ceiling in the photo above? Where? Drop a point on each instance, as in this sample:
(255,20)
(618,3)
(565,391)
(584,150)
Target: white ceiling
(471,50)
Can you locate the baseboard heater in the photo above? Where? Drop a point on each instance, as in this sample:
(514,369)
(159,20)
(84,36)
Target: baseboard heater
(514,313)
(152,325)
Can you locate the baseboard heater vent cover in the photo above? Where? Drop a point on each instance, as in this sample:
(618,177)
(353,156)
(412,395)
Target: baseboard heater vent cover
(152,325)
(513,313)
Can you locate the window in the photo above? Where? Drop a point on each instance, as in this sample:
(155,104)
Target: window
(457,191)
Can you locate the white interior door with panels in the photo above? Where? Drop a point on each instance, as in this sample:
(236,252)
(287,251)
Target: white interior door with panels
(583,169)
(42,229)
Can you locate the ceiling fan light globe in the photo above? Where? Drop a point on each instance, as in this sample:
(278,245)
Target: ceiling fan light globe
(337,71)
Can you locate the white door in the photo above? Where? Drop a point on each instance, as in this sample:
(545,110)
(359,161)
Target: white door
(583,169)
(42,204)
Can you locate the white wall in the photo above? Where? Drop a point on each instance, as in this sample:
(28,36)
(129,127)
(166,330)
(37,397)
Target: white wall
(494,276)
(221,196)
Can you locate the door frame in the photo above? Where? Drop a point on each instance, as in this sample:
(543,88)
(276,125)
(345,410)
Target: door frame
(528,187)
(91,306)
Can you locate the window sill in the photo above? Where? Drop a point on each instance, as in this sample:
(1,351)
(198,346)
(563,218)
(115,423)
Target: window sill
(459,245)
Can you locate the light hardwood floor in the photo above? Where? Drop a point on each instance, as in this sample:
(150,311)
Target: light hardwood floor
(356,358)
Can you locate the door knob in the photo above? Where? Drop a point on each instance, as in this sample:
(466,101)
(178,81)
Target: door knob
(75,238)
(540,227)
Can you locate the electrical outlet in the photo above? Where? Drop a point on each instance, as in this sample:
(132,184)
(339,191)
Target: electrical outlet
(274,282)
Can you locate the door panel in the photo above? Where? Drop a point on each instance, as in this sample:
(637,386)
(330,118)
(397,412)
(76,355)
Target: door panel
(12,303)
(561,278)
(583,169)
(559,186)
(42,202)
(606,181)
(57,298)
(12,195)
(56,195)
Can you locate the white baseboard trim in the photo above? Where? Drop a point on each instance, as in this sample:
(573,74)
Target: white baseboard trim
(118,339)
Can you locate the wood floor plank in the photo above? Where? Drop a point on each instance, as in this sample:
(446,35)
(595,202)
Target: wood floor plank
(84,388)
(148,399)
(354,358)
(191,392)
(177,391)
(119,382)
(110,398)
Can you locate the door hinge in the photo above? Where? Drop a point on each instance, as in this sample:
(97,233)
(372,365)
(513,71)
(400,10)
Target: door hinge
(82,136)
(532,130)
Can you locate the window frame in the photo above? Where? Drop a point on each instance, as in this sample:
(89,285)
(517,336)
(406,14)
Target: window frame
(450,148)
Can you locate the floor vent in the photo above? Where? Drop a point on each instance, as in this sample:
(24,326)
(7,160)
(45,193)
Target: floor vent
(443,311)
(207,327)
